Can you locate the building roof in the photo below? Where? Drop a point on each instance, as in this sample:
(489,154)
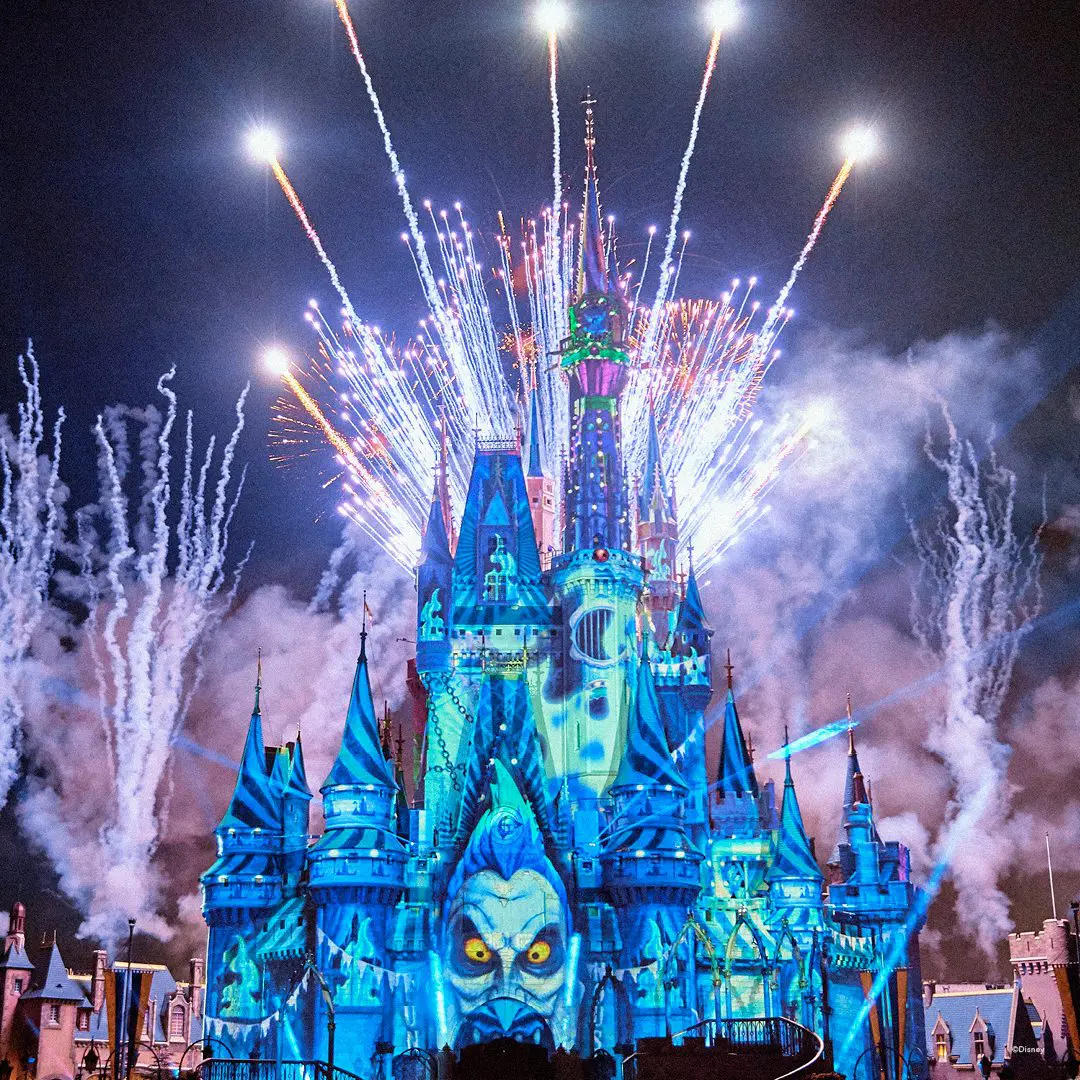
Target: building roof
(360,760)
(15,959)
(961,1009)
(57,984)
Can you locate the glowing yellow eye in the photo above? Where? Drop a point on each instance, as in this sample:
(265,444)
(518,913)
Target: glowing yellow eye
(538,952)
(477,951)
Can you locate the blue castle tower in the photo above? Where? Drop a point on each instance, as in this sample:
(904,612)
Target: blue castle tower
(567,871)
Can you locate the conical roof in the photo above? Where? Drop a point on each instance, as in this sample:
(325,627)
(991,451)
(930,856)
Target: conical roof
(794,857)
(297,786)
(535,466)
(691,610)
(647,757)
(57,984)
(735,772)
(253,804)
(654,482)
(360,761)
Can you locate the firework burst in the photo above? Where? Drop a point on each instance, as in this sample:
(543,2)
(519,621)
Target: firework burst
(496,311)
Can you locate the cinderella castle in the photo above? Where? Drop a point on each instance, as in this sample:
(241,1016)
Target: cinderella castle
(567,872)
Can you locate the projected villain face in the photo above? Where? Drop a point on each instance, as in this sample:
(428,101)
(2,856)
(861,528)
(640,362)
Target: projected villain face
(506,932)
(506,956)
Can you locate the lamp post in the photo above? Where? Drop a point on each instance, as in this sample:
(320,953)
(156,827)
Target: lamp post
(121,1021)
(826,1009)
(331,1022)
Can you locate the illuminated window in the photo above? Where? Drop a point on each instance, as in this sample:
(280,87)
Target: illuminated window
(19,984)
(941,1046)
(979,1038)
(176,1022)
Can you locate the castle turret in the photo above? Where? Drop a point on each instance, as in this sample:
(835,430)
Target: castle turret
(658,535)
(872,898)
(244,882)
(794,879)
(651,870)
(357,875)
(541,489)
(16,971)
(648,860)
(434,581)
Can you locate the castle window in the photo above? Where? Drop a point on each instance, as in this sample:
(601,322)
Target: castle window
(176,1023)
(979,1039)
(54,1014)
(18,985)
(83,1022)
(941,1045)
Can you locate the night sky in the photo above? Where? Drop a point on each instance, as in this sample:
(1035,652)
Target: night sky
(137,233)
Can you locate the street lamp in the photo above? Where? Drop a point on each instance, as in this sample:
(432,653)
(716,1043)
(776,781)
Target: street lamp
(121,1023)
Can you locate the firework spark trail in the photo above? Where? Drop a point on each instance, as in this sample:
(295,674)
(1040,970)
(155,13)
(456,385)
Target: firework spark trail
(392,526)
(309,229)
(473,372)
(777,310)
(149,624)
(30,509)
(663,289)
(553,72)
(977,595)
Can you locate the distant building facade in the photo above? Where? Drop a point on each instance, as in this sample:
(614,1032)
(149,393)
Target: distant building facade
(56,1024)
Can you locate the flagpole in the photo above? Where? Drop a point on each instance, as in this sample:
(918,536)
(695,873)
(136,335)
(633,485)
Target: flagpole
(1050,870)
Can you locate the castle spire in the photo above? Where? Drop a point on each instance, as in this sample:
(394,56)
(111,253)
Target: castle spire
(253,805)
(360,760)
(654,501)
(592,274)
(794,857)
(535,467)
(735,772)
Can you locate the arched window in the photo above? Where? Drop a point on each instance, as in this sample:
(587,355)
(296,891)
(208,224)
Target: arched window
(176,1023)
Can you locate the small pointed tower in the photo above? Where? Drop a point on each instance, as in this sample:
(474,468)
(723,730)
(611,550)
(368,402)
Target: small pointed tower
(871,894)
(736,810)
(651,870)
(796,903)
(17,971)
(434,578)
(357,876)
(244,882)
(658,535)
(50,1010)
(541,488)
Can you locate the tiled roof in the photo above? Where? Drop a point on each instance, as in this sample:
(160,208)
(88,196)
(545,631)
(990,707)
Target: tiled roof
(958,1009)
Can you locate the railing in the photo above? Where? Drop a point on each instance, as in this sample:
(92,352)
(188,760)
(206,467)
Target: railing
(269,1069)
(760,1034)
